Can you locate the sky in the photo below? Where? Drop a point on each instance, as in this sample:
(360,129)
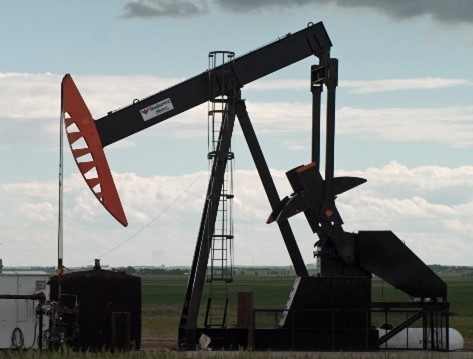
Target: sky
(404,122)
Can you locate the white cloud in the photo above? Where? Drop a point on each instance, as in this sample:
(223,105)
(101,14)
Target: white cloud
(37,212)
(37,96)
(282,117)
(30,104)
(452,126)
(449,125)
(281,84)
(433,178)
(421,83)
(364,86)
(27,96)
(164,215)
(416,204)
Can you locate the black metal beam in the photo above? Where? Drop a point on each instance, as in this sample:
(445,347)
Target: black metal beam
(385,255)
(316,88)
(270,188)
(263,61)
(331,83)
(400,327)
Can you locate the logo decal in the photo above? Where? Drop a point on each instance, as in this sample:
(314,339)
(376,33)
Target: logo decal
(156,109)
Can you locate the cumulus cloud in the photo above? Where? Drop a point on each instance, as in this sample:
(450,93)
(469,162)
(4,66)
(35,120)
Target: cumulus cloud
(30,106)
(164,214)
(149,9)
(29,109)
(30,103)
(425,83)
(418,204)
(364,86)
(450,125)
(38,212)
(280,84)
(27,96)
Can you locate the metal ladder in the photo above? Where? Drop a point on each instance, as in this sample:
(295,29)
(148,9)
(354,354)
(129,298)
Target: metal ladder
(220,266)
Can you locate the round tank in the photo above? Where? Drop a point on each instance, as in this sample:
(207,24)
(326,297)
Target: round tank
(109,309)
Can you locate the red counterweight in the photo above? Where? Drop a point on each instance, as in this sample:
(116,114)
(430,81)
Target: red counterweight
(90,158)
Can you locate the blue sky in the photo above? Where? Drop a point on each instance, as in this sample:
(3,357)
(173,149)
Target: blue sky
(404,122)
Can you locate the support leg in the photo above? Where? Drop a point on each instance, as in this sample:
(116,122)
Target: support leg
(190,311)
(316,89)
(331,82)
(270,188)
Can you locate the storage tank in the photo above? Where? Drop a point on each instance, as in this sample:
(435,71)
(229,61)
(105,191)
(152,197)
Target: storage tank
(413,338)
(109,309)
(19,322)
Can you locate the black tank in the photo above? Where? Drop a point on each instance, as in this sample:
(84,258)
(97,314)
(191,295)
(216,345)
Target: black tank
(109,309)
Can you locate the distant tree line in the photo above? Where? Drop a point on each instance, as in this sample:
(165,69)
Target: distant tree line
(283,271)
(156,271)
(238,271)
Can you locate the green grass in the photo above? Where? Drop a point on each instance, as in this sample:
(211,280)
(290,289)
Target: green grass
(270,291)
(460,294)
(163,290)
(163,296)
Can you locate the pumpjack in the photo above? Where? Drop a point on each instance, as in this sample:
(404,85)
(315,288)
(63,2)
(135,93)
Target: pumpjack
(328,311)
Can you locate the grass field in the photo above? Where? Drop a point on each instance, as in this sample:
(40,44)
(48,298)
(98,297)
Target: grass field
(162,298)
